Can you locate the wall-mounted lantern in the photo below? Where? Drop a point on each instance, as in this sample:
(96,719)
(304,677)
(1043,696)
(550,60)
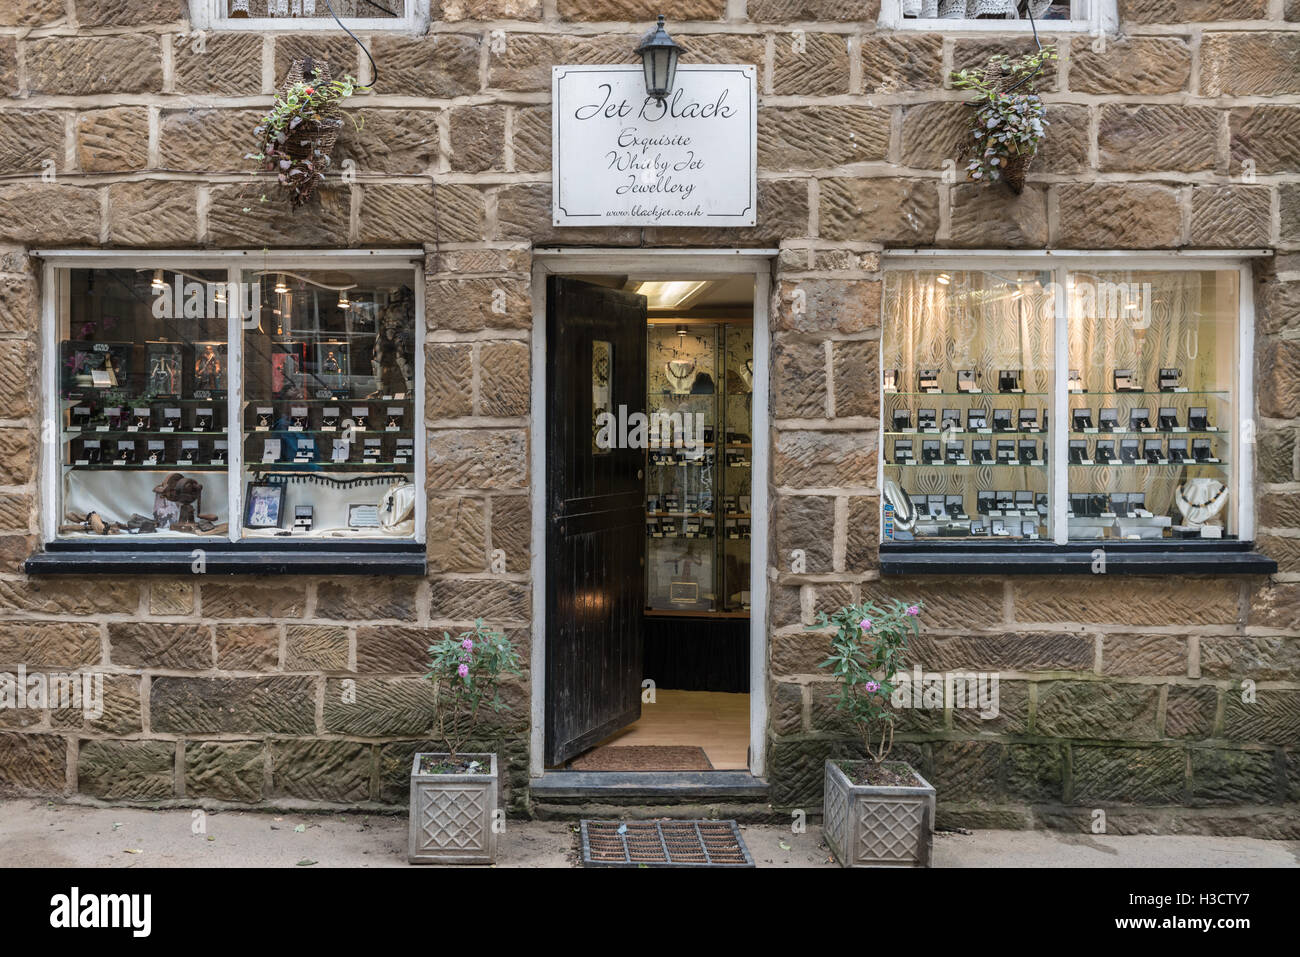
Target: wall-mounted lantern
(659,53)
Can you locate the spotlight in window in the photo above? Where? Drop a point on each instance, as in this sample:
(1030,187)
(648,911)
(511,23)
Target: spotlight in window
(943,279)
(344,301)
(159,284)
(281,289)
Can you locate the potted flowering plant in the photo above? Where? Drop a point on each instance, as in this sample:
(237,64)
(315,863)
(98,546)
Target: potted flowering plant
(454,794)
(1010,119)
(875,812)
(296,137)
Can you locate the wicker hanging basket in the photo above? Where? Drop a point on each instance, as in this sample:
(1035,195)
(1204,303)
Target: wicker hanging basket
(313,139)
(1016,167)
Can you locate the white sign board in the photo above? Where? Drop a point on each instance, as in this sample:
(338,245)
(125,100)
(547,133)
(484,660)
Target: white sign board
(621,158)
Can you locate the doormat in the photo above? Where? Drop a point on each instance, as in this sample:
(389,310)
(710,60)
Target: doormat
(663,844)
(643,757)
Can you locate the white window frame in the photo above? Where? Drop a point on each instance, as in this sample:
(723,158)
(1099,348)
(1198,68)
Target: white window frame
(1061,264)
(1095,17)
(235,261)
(211,15)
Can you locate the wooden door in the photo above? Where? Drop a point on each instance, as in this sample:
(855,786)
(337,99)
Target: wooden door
(595,522)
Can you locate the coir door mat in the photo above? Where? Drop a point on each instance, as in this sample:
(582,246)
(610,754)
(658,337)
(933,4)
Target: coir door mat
(663,844)
(642,757)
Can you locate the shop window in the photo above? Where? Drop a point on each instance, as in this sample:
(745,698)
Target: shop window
(302,15)
(1094,16)
(1034,403)
(201,401)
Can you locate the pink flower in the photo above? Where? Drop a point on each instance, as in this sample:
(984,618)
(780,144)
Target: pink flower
(468,644)
(865,624)
(463,671)
(913,610)
(871,687)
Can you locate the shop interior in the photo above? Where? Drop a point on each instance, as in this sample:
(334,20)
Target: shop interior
(697,476)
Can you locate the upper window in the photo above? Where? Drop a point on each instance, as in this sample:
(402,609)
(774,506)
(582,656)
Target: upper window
(1066,402)
(204,399)
(300,15)
(1094,16)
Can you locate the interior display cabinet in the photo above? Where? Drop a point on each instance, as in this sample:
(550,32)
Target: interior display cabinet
(698,466)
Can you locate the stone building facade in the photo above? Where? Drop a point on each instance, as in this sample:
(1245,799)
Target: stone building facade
(1118,692)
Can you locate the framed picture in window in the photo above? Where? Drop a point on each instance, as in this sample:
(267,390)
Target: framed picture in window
(264,505)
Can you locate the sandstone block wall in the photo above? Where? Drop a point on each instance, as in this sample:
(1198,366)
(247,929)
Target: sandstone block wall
(1183,131)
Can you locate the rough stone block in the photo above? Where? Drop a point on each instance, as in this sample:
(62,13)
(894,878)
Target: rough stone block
(1220,776)
(245,599)
(392,141)
(315,648)
(167,596)
(29,139)
(251,647)
(225,771)
(469,305)
(1277,310)
(153,213)
(207,139)
(817,66)
(822,459)
(1030,652)
(1151,64)
(1278,385)
(478,459)
(1144,655)
(390,649)
(1158,136)
(798,378)
(49,644)
(820,137)
(1094,709)
(367,599)
(1275,606)
(862,536)
(1231,216)
(786,708)
(504,382)
(886,210)
(126,770)
(934,133)
(457,534)
(1254,63)
(806,523)
(827,305)
(152,644)
(237,217)
(276,705)
(854,368)
(1132,601)
(992,216)
(532,139)
(1118,216)
(896,62)
(512,529)
(337,771)
(1189,711)
(379,707)
(49,213)
(32,764)
(1272,718)
(19,314)
(478,137)
(1267,136)
(230,64)
(69,597)
(89,65)
(1124,775)
(1250,656)
(448,380)
(464,600)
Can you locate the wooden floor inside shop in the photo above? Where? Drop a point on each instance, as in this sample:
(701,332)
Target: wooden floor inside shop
(716,721)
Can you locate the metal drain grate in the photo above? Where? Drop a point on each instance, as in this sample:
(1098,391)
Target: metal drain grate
(663,844)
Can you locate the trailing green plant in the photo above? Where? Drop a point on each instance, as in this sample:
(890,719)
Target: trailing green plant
(1010,118)
(295,138)
(867,651)
(466,672)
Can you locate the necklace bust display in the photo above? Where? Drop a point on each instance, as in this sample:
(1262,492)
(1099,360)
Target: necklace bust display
(1200,499)
(680,374)
(904,513)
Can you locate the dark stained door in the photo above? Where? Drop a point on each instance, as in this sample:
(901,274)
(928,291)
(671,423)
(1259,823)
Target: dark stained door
(595,522)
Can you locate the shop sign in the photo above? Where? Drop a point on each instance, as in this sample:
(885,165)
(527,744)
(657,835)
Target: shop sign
(621,158)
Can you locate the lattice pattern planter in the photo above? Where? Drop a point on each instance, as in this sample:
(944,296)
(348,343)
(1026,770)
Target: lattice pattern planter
(868,826)
(451,814)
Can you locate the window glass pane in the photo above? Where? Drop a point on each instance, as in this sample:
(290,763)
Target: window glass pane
(315,9)
(982,9)
(966,376)
(328,409)
(602,367)
(1152,360)
(142,402)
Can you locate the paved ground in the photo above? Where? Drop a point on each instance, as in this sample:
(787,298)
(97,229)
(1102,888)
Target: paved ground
(40,834)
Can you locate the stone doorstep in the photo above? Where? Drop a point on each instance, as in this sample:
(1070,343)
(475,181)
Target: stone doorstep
(648,787)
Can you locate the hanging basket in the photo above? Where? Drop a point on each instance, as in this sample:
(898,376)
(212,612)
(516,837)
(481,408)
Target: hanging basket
(312,140)
(1014,170)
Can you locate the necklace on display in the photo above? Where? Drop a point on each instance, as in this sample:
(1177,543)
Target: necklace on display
(747,373)
(1201,499)
(680,380)
(904,513)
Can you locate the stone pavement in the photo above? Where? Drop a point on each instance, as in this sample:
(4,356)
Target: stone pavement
(39,834)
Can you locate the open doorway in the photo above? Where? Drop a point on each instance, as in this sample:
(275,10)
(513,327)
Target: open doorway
(648,522)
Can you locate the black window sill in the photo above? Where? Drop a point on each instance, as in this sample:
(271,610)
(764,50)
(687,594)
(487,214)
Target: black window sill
(228,558)
(1048,558)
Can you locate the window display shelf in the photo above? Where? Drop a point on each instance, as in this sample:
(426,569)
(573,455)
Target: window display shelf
(141,467)
(93,433)
(1036,466)
(1165,393)
(972,395)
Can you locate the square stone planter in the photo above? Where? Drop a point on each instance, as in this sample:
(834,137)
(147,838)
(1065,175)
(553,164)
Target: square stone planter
(869,826)
(451,814)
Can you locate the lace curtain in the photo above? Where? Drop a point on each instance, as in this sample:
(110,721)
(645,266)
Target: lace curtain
(970,9)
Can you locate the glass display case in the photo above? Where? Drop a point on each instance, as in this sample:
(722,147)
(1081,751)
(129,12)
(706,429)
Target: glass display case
(328,406)
(142,385)
(1151,404)
(966,394)
(698,466)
